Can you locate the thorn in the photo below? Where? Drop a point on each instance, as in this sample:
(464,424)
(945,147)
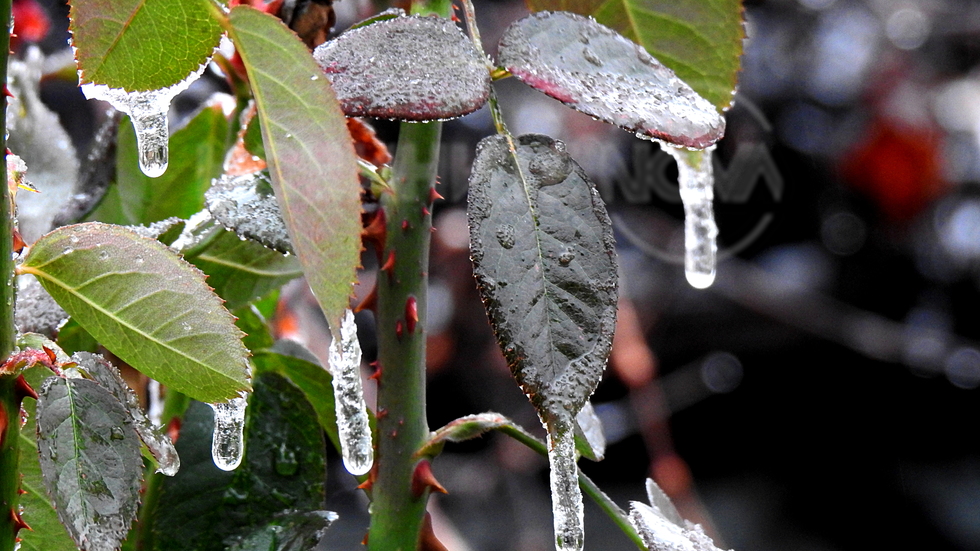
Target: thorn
(370,302)
(405,225)
(4,421)
(377,371)
(375,231)
(18,242)
(173,429)
(399,329)
(423,478)
(425,211)
(389,264)
(18,521)
(364,541)
(22,389)
(394,433)
(411,314)
(21,491)
(7,93)
(51,355)
(427,537)
(434,195)
(381,414)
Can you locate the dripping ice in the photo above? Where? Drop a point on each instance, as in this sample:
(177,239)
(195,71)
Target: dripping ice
(700,231)
(228,442)
(566,497)
(352,420)
(148,111)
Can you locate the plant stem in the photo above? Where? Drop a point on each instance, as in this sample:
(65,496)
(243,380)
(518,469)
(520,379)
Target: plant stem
(397,512)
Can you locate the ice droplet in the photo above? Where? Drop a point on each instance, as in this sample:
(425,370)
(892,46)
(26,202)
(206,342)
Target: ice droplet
(566,497)
(700,231)
(148,111)
(227,442)
(352,419)
(505,236)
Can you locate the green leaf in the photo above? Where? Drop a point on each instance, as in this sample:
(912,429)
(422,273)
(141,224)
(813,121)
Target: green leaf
(145,304)
(257,332)
(310,155)
(90,459)
(74,338)
(420,69)
(593,69)
(142,44)
(196,156)
(46,533)
(284,468)
(545,262)
(241,271)
(701,40)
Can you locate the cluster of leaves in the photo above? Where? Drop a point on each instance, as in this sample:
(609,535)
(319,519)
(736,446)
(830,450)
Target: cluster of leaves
(543,245)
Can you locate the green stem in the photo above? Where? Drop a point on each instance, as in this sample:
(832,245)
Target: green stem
(9,395)
(397,513)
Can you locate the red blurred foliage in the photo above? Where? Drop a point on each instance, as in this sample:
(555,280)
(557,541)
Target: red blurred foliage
(31,23)
(898,166)
(267,6)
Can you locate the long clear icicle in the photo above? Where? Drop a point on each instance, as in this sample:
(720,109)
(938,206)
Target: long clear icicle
(696,184)
(352,420)
(228,439)
(148,111)
(566,497)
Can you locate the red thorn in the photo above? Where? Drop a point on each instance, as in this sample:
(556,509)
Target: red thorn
(411,314)
(382,413)
(389,264)
(456,19)
(19,243)
(7,93)
(21,491)
(173,429)
(51,355)
(399,328)
(18,521)
(377,371)
(375,231)
(423,478)
(434,195)
(370,302)
(22,388)
(4,421)
(425,211)
(427,537)
(394,433)
(364,541)
(405,225)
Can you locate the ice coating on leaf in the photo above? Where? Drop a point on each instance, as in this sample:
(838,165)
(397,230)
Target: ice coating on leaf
(696,180)
(148,111)
(660,534)
(408,68)
(599,72)
(108,377)
(36,311)
(228,440)
(550,285)
(566,497)
(247,206)
(352,419)
(660,502)
(589,433)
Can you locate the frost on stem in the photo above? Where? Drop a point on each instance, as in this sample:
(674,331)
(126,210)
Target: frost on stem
(148,111)
(227,441)
(696,182)
(352,420)
(566,497)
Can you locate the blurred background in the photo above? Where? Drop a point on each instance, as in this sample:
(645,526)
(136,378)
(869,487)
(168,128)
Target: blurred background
(822,395)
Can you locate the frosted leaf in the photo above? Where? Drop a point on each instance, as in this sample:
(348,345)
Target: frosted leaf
(148,111)
(101,371)
(352,420)
(408,68)
(660,534)
(660,502)
(599,72)
(566,497)
(589,433)
(228,441)
(247,206)
(696,184)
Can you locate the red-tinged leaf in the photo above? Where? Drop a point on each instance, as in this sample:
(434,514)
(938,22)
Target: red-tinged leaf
(142,45)
(311,158)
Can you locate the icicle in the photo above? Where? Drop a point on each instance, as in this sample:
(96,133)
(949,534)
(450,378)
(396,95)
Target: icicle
(566,497)
(227,442)
(148,111)
(352,420)
(700,232)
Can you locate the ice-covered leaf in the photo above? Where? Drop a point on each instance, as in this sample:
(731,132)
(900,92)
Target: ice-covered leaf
(96,368)
(46,533)
(90,459)
(196,153)
(284,469)
(544,258)
(660,502)
(294,531)
(597,71)
(36,311)
(145,304)
(246,205)
(590,440)
(412,68)
(241,271)
(661,527)
(141,44)
(311,158)
(701,40)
